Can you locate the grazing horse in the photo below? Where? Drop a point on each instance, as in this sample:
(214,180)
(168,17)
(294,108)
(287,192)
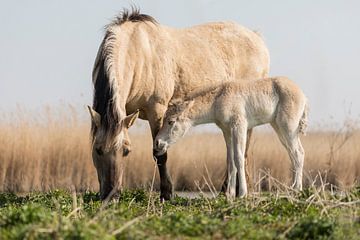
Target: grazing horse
(142,64)
(236,107)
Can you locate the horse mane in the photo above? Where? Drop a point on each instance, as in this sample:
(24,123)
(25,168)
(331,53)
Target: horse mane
(104,101)
(130,16)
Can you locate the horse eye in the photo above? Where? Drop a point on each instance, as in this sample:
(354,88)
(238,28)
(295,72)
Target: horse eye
(171,122)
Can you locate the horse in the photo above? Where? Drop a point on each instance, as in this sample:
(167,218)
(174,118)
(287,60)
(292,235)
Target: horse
(236,107)
(141,65)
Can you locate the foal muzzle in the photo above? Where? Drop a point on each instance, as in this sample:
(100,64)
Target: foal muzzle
(160,147)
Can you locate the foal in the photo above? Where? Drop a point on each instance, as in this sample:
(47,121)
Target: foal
(236,107)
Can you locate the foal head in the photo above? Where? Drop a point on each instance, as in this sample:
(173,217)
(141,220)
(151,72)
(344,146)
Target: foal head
(175,125)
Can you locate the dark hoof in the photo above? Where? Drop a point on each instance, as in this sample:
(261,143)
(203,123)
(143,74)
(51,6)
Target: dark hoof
(165,196)
(166,190)
(223,187)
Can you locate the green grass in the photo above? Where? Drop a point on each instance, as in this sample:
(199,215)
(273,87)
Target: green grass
(311,214)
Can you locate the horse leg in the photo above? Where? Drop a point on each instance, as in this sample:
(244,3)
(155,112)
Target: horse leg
(166,188)
(238,135)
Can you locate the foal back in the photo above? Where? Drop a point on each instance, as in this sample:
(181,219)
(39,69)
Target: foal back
(267,100)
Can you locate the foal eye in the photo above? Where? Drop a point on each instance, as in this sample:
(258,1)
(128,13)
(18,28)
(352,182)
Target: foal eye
(171,122)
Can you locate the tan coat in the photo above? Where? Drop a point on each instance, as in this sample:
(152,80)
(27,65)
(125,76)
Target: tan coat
(149,63)
(141,64)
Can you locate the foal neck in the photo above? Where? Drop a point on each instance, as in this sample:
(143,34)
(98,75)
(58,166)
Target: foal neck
(202,110)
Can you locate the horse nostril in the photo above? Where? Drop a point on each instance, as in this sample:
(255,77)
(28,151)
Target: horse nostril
(99,151)
(157,143)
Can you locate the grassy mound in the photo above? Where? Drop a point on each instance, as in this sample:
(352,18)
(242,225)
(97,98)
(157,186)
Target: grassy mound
(311,214)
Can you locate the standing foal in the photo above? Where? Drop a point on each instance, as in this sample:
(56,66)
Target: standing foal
(236,107)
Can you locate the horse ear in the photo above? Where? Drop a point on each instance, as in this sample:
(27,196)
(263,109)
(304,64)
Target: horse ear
(130,120)
(95,116)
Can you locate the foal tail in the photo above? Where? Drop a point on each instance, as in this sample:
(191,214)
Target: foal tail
(304,120)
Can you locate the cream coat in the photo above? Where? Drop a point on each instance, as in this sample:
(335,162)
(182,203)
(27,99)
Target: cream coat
(236,107)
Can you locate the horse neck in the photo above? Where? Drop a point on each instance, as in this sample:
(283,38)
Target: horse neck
(202,110)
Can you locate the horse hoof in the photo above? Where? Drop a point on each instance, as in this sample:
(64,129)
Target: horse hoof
(165,196)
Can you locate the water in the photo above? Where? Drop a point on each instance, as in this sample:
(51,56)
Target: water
(193,195)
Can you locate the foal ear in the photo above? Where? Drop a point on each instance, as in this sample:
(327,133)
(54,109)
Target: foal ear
(175,102)
(129,120)
(187,104)
(95,116)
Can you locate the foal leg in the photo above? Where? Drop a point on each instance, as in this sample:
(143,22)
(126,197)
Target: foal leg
(238,135)
(296,152)
(230,190)
(291,141)
(248,179)
(248,138)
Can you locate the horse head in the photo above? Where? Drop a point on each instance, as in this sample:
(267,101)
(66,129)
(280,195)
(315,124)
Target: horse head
(105,148)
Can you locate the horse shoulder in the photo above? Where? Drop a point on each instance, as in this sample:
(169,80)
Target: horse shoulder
(149,61)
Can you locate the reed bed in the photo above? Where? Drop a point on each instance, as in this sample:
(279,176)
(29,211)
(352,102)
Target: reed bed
(51,150)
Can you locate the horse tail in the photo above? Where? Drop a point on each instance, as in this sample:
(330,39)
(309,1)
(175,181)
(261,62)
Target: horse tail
(304,120)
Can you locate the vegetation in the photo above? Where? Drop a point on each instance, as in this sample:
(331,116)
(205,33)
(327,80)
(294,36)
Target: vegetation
(311,214)
(51,150)
(48,151)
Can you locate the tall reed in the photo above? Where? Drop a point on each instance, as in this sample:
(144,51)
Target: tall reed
(51,150)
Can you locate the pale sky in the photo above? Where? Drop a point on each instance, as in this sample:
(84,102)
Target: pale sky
(47,48)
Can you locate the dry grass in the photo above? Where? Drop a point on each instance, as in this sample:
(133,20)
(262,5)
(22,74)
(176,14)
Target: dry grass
(52,150)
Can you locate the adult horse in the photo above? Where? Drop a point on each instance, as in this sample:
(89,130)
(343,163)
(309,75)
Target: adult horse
(142,64)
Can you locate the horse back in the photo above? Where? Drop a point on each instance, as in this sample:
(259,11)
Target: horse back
(218,52)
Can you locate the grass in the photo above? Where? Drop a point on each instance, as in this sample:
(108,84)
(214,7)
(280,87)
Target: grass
(312,214)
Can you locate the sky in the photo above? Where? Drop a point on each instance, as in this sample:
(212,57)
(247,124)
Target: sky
(47,48)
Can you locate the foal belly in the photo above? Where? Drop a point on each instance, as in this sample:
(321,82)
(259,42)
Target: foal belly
(259,120)
(260,114)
